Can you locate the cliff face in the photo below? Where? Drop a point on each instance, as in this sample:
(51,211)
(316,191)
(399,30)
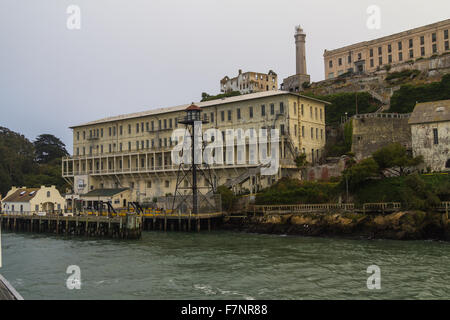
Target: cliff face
(412,225)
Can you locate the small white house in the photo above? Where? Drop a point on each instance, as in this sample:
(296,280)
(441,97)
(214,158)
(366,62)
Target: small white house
(32,200)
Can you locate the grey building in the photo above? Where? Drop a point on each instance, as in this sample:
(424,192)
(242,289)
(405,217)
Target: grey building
(430,133)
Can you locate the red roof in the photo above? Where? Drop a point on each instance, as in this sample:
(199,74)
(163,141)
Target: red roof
(193,107)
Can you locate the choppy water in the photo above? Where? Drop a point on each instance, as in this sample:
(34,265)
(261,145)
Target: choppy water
(225,265)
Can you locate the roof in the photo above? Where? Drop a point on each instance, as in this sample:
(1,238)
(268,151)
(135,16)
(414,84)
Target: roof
(22,195)
(204,104)
(193,107)
(104,192)
(435,111)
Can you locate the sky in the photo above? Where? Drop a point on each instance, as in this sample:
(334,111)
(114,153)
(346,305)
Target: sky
(135,55)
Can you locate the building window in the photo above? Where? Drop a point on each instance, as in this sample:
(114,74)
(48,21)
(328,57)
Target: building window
(137,127)
(129,145)
(411,43)
(433,37)
(281,107)
(137,145)
(371,53)
(330,64)
(212,117)
(238,111)
(165,123)
(129,129)
(371,63)
(389,48)
(222,116)
(302,110)
(422,40)
(400,45)
(109,131)
(435,136)
(349,59)
(380,61)
(411,53)
(78,135)
(380,50)
(303,131)
(340,61)
(263,110)
(251,112)
(159,124)
(390,58)
(422,51)
(434,48)
(229,115)
(400,56)
(359,56)
(445,34)
(167,183)
(120,130)
(312,133)
(272,109)
(295,130)
(149,184)
(447,45)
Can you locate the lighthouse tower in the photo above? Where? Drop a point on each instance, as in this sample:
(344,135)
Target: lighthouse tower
(300,37)
(296,82)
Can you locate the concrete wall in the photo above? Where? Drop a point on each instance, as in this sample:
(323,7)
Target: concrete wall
(435,155)
(326,171)
(374,131)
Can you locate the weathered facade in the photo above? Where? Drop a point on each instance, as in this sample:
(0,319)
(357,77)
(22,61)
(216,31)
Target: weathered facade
(250,82)
(134,151)
(430,132)
(369,56)
(374,131)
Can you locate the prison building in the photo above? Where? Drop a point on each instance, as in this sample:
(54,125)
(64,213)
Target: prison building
(134,150)
(369,56)
(250,82)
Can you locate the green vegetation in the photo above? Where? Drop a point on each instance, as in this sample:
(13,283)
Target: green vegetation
(228,198)
(23,163)
(301,161)
(366,184)
(289,191)
(207,97)
(342,144)
(402,75)
(342,103)
(404,100)
(414,192)
(396,158)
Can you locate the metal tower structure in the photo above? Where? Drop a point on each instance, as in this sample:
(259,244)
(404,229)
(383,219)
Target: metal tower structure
(188,173)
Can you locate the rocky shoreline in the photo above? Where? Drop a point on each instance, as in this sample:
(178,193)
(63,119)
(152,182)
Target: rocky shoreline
(405,225)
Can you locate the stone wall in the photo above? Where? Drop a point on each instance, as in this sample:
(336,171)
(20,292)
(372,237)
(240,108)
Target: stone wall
(376,130)
(436,156)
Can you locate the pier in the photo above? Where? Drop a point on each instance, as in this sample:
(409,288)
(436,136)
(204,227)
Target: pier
(181,222)
(121,227)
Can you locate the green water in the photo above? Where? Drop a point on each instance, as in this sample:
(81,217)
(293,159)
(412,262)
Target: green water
(225,265)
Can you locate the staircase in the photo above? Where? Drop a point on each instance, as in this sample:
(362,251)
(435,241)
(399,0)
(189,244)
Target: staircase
(243,177)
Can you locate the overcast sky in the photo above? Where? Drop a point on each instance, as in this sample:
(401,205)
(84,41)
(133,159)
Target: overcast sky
(135,55)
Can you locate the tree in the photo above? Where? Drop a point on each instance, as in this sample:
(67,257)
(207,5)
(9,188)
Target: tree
(48,148)
(228,198)
(360,172)
(396,158)
(16,159)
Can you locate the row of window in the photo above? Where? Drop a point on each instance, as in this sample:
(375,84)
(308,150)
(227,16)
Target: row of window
(163,124)
(400,48)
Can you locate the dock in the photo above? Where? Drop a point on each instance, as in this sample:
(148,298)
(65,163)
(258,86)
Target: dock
(181,222)
(7,292)
(121,227)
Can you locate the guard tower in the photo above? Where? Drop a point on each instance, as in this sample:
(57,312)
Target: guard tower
(189,196)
